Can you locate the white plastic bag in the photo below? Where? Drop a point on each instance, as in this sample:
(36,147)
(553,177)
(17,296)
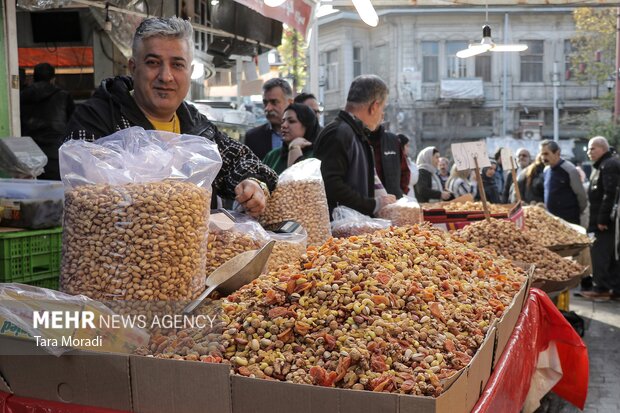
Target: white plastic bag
(405,211)
(348,222)
(287,250)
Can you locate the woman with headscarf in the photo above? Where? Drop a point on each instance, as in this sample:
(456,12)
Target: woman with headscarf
(413,168)
(531,182)
(428,188)
(300,127)
(489,184)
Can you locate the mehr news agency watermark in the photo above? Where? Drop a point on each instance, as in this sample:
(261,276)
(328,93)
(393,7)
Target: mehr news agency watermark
(74,320)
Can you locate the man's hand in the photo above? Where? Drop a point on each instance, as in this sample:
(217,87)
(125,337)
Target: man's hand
(250,195)
(602,227)
(445,195)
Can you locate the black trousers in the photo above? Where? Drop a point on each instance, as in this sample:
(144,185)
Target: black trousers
(605,268)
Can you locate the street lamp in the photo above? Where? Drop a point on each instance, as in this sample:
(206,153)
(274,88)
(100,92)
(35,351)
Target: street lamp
(610,83)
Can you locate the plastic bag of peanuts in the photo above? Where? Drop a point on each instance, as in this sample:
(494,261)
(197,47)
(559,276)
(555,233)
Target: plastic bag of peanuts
(137,209)
(228,238)
(287,250)
(300,196)
(348,222)
(405,211)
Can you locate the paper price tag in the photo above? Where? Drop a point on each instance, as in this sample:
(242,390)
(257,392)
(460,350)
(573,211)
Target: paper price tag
(464,154)
(506,155)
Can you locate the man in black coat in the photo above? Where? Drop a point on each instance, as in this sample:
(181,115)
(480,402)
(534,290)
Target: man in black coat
(45,110)
(602,194)
(347,163)
(277,95)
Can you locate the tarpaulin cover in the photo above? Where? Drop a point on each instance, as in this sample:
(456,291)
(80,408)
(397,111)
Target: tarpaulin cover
(539,324)
(461,89)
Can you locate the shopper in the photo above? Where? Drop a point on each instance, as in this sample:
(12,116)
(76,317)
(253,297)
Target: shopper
(602,194)
(565,196)
(443,171)
(152,98)
(300,129)
(523,161)
(309,99)
(531,182)
(45,110)
(390,161)
(458,182)
(413,168)
(489,184)
(277,95)
(347,163)
(499,177)
(428,188)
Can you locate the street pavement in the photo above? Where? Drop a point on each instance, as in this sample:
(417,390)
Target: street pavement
(602,336)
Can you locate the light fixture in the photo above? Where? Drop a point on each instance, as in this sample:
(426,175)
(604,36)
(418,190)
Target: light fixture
(610,82)
(198,70)
(367,12)
(486,44)
(274,3)
(107,26)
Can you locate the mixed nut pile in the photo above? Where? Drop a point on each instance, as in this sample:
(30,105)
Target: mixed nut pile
(399,310)
(549,230)
(507,240)
(469,206)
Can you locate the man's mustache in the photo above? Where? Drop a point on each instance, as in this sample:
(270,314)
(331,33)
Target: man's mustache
(271,113)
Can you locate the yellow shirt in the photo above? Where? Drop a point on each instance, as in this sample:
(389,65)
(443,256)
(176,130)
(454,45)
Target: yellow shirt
(172,126)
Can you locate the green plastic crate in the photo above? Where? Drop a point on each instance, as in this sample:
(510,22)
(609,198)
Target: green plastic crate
(51,283)
(29,256)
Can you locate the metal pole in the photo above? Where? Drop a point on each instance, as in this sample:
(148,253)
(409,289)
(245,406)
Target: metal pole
(555,77)
(505,79)
(617,92)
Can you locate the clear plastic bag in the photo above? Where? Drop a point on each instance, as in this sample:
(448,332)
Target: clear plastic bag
(300,196)
(405,211)
(228,239)
(21,157)
(137,209)
(20,304)
(348,222)
(287,250)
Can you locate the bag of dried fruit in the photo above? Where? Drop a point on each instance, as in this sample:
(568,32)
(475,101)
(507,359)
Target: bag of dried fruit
(300,196)
(348,222)
(287,250)
(405,211)
(136,215)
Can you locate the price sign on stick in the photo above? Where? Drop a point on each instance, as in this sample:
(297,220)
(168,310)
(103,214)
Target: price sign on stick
(464,154)
(506,157)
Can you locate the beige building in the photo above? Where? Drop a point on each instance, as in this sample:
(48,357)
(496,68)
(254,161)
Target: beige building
(436,97)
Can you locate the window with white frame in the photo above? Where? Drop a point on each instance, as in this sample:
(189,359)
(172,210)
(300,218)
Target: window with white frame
(481,118)
(532,61)
(483,67)
(455,66)
(329,61)
(430,61)
(357,61)
(431,119)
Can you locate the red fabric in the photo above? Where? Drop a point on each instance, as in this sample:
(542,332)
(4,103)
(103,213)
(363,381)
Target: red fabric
(74,56)
(14,404)
(540,323)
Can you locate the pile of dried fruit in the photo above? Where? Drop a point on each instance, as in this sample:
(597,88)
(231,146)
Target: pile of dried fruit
(469,206)
(505,238)
(549,230)
(399,310)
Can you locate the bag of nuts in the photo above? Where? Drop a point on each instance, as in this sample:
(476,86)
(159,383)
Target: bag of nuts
(287,250)
(228,238)
(136,215)
(348,222)
(405,211)
(300,196)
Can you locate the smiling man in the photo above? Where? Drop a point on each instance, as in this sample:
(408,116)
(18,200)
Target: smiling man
(152,98)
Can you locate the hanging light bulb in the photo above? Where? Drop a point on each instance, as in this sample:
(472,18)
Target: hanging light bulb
(487,44)
(367,12)
(274,3)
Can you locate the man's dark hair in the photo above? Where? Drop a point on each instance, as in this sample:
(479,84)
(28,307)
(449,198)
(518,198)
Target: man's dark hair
(552,145)
(403,139)
(302,97)
(278,82)
(366,89)
(43,72)
(498,154)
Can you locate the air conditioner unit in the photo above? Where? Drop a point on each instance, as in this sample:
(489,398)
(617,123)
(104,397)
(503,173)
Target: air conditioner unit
(531,133)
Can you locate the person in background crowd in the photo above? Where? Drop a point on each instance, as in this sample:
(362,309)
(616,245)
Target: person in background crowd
(413,168)
(603,193)
(45,110)
(428,188)
(458,183)
(531,182)
(309,99)
(499,177)
(489,184)
(523,160)
(347,162)
(390,161)
(300,129)
(564,193)
(443,171)
(277,95)
(153,98)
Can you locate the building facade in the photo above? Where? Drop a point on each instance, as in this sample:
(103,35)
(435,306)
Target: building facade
(436,97)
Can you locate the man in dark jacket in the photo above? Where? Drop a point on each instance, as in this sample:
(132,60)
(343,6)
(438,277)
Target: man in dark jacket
(390,161)
(565,196)
(347,161)
(277,95)
(602,194)
(153,99)
(45,110)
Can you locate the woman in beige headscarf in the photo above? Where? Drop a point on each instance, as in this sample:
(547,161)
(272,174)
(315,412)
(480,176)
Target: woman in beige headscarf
(428,188)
